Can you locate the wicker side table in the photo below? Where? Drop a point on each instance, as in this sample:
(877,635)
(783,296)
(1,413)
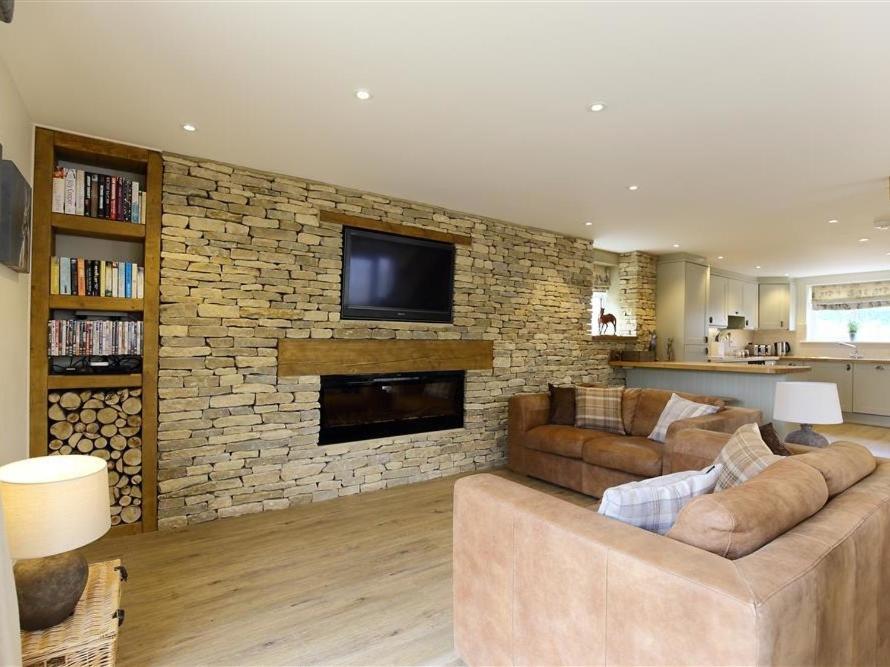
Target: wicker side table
(89,636)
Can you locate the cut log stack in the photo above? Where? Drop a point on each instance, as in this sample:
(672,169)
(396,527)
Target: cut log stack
(106,423)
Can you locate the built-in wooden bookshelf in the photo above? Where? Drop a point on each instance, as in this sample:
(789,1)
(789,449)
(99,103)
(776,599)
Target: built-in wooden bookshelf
(51,148)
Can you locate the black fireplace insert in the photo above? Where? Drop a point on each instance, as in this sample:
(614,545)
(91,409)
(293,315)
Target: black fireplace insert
(362,407)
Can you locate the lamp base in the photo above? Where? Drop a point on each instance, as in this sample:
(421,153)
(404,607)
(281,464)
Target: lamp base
(49,588)
(807,436)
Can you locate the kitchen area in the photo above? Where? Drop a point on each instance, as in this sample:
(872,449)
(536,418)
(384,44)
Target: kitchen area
(737,336)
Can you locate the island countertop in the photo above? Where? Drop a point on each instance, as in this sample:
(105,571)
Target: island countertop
(848,360)
(712,367)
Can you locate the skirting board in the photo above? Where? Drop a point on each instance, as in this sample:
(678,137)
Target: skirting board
(357,357)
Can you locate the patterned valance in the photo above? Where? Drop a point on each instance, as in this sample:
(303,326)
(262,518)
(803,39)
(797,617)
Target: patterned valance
(851,296)
(602,278)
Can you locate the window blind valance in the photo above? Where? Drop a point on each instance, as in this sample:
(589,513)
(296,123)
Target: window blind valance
(851,296)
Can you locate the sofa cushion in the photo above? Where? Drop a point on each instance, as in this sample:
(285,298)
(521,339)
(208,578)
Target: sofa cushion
(654,504)
(629,400)
(676,409)
(650,404)
(638,456)
(560,440)
(562,405)
(740,520)
(743,456)
(599,408)
(842,464)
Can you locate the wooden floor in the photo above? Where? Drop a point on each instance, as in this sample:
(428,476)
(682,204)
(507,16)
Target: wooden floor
(876,438)
(361,580)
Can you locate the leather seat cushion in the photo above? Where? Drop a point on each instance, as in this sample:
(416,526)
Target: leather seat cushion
(561,440)
(636,455)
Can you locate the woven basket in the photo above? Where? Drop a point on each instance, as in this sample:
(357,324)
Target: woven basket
(89,636)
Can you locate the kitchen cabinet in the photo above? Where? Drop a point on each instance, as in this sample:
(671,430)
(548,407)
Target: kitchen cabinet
(749,304)
(681,304)
(774,306)
(871,388)
(735,297)
(717,301)
(842,374)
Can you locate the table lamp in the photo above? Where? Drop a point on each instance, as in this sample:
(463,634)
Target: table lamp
(807,403)
(52,504)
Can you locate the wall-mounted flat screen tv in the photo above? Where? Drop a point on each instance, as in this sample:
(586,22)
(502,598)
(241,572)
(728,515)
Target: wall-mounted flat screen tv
(394,277)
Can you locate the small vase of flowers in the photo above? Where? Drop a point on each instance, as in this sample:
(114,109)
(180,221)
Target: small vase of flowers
(852,329)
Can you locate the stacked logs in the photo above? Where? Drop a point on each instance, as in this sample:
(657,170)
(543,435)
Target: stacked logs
(106,423)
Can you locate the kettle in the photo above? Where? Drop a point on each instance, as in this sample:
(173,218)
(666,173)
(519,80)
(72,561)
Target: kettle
(783,348)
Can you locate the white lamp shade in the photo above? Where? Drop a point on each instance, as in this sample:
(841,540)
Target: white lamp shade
(807,403)
(54,504)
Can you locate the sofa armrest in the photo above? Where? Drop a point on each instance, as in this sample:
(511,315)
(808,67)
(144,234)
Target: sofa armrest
(527,411)
(696,450)
(540,581)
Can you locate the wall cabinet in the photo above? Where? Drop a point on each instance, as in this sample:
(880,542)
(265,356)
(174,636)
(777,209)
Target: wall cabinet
(749,305)
(774,306)
(717,301)
(735,297)
(871,389)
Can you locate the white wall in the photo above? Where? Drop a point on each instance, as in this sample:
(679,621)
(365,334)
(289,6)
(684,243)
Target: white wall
(17,137)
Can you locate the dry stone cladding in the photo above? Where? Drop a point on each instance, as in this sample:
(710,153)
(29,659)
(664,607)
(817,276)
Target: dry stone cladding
(246,262)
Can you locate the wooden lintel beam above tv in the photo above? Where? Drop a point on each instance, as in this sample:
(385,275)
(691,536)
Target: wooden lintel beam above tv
(358,357)
(392,227)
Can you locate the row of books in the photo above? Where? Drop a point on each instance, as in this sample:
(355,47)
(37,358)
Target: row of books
(79,192)
(94,277)
(94,337)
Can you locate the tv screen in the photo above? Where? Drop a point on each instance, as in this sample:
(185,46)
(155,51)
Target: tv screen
(393,277)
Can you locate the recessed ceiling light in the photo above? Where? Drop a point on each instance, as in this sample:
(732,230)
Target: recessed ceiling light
(363,94)
(882,225)
(757,267)
(787,274)
(719,256)
(864,239)
(188,127)
(676,245)
(597,106)
(633,188)
(588,224)
(833,221)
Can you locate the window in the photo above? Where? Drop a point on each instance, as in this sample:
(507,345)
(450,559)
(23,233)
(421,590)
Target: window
(850,311)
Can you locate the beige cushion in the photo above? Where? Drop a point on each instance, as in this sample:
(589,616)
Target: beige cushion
(676,409)
(842,464)
(743,456)
(650,404)
(740,520)
(599,408)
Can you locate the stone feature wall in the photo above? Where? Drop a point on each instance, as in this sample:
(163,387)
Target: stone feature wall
(246,262)
(636,273)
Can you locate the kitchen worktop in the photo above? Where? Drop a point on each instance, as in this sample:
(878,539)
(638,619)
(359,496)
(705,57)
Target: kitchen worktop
(866,360)
(712,367)
(740,360)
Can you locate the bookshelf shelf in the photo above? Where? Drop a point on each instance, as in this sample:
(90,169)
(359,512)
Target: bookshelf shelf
(79,225)
(97,236)
(104,303)
(94,381)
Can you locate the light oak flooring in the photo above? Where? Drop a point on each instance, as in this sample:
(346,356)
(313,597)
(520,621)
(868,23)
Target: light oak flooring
(876,438)
(360,580)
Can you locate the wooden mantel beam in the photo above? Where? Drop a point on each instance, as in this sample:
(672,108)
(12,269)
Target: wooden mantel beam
(392,227)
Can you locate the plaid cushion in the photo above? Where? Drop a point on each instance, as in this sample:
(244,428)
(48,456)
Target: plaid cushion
(743,456)
(653,504)
(678,408)
(599,408)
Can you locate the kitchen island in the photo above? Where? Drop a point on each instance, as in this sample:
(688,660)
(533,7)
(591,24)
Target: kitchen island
(749,386)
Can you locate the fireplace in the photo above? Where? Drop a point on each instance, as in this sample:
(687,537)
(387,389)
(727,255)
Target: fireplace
(361,407)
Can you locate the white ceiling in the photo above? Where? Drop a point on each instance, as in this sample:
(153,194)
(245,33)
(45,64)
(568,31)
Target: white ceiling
(747,126)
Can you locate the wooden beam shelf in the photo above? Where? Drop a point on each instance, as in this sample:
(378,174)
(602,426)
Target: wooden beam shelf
(356,357)
(97,381)
(392,227)
(105,303)
(79,225)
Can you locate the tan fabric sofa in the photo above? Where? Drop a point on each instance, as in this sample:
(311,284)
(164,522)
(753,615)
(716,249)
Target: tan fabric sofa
(590,461)
(540,581)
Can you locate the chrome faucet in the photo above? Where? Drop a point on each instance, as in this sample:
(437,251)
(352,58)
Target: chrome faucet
(855,354)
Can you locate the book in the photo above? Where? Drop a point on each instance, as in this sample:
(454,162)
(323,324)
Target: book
(79,180)
(134,202)
(70,191)
(58,190)
(64,276)
(81,277)
(127,279)
(54,276)
(94,337)
(140,283)
(142,207)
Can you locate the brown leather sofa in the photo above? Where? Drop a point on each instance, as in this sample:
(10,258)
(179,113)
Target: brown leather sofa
(590,461)
(541,581)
